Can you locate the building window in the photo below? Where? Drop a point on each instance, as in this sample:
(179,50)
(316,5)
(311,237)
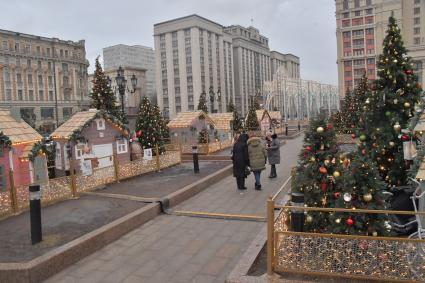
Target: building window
(370,61)
(369,31)
(40,95)
(417,30)
(29,63)
(51,98)
(122,146)
(100,123)
(50,80)
(48,51)
(346,34)
(40,80)
(8,94)
(347,63)
(417,1)
(64,67)
(79,150)
(356,3)
(417,40)
(417,21)
(30,95)
(370,41)
(347,44)
(20,97)
(58,157)
(417,10)
(47,113)
(368,11)
(39,64)
(345,4)
(357,13)
(16,47)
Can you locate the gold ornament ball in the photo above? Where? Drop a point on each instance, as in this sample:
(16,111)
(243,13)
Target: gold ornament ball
(407,104)
(312,159)
(336,174)
(338,220)
(367,197)
(392,144)
(375,234)
(397,127)
(320,130)
(309,219)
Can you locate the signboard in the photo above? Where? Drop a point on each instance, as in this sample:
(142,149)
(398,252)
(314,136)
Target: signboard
(86,167)
(147,154)
(40,170)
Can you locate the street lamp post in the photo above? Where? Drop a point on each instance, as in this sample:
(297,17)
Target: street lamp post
(122,85)
(219,100)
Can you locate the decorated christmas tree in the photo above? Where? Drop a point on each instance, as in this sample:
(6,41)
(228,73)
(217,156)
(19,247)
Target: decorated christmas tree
(389,107)
(202,105)
(149,128)
(203,136)
(162,128)
(237,121)
(252,121)
(102,96)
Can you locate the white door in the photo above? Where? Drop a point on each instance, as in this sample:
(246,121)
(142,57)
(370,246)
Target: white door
(103,152)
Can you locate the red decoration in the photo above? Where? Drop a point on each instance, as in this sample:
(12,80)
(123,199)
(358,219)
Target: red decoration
(329,126)
(353,136)
(350,222)
(308,148)
(323,170)
(364,151)
(324,186)
(405,138)
(139,133)
(374,145)
(337,194)
(409,72)
(352,126)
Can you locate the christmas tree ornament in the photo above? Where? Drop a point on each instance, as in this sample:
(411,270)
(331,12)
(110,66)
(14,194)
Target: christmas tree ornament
(367,197)
(320,130)
(406,105)
(336,174)
(346,162)
(362,137)
(374,234)
(337,194)
(326,162)
(395,61)
(397,127)
(309,219)
(388,113)
(324,186)
(405,138)
(323,170)
(338,220)
(322,146)
(409,72)
(347,197)
(312,159)
(395,101)
(400,92)
(367,101)
(308,148)
(391,144)
(350,222)
(353,136)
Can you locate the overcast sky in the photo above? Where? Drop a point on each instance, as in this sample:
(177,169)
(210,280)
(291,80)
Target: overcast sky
(305,28)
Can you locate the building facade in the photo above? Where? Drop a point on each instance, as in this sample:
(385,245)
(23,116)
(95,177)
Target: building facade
(133,57)
(46,78)
(361,29)
(193,54)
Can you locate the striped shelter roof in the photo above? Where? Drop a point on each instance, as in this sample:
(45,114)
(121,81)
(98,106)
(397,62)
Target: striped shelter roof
(222,120)
(18,132)
(76,122)
(186,119)
(275,115)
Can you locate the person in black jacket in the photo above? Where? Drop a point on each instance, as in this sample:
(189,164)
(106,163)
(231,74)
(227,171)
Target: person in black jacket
(240,160)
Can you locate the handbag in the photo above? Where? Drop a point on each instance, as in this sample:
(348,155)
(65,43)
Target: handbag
(247,171)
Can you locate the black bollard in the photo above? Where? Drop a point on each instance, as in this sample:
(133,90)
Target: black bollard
(297,216)
(286,129)
(195,159)
(299,127)
(35,214)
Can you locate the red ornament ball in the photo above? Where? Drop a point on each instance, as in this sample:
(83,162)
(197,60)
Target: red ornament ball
(308,148)
(337,194)
(329,126)
(409,72)
(405,138)
(139,133)
(323,170)
(350,222)
(324,186)
(364,151)
(353,136)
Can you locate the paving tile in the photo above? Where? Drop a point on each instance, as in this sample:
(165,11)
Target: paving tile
(215,266)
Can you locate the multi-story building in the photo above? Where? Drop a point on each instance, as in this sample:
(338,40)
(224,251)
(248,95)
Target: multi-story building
(288,64)
(46,78)
(361,28)
(192,55)
(137,57)
(132,97)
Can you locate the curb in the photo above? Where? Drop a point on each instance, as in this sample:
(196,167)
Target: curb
(52,262)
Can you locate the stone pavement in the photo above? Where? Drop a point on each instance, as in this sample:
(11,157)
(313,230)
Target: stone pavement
(185,249)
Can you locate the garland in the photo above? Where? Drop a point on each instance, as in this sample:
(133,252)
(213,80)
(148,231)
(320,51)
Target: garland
(5,141)
(36,149)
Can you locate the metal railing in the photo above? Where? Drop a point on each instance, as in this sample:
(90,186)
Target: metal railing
(363,257)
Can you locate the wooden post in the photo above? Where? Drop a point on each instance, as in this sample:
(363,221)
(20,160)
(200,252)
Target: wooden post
(13,197)
(270,235)
(220,143)
(208,148)
(158,165)
(181,151)
(73,179)
(116,168)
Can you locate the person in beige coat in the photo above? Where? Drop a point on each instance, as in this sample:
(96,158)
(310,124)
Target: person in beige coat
(257,158)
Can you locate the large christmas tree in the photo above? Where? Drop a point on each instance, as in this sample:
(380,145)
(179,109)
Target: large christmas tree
(389,107)
(102,96)
(202,105)
(251,123)
(150,128)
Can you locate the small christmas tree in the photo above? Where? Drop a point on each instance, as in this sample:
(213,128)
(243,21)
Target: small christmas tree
(237,121)
(202,105)
(162,127)
(102,96)
(252,121)
(389,107)
(203,136)
(149,126)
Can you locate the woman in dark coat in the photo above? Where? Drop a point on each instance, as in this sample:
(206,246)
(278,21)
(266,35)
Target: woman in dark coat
(273,154)
(240,160)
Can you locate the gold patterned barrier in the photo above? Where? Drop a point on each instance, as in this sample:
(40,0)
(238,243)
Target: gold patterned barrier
(336,255)
(99,177)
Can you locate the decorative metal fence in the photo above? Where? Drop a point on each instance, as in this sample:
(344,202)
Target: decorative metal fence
(207,148)
(389,259)
(15,199)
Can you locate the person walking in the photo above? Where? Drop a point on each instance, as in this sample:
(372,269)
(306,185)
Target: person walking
(257,159)
(240,160)
(273,154)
